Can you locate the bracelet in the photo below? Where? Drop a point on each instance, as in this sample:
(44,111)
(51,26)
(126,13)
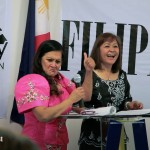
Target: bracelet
(126,105)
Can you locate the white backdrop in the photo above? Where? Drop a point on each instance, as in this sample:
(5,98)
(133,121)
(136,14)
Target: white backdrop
(5,56)
(111,12)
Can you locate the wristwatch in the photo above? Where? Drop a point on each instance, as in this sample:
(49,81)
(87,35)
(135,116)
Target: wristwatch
(127,105)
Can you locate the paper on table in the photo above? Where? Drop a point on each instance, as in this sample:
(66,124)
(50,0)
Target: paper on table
(101,111)
(133,112)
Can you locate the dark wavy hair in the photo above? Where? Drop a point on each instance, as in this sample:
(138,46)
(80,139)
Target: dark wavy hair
(95,53)
(45,47)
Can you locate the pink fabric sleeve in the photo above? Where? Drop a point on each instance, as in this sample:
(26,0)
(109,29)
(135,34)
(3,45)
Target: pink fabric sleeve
(30,91)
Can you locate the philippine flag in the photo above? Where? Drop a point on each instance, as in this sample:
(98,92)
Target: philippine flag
(37,30)
(41,22)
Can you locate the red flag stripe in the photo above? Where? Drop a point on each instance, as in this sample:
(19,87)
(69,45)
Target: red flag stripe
(40,38)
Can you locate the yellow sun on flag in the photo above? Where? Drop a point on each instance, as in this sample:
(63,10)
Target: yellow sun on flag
(43,7)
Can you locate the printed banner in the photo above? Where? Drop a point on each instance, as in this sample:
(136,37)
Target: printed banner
(83,20)
(86,19)
(5,56)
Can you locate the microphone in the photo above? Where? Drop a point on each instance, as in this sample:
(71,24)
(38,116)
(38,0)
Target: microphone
(77,80)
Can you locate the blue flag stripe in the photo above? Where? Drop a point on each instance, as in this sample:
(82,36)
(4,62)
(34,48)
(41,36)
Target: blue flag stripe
(27,56)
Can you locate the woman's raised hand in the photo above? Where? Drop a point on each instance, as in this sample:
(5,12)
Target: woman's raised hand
(89,63)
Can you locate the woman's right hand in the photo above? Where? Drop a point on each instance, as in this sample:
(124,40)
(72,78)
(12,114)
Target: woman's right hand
(77,94)
(89,63)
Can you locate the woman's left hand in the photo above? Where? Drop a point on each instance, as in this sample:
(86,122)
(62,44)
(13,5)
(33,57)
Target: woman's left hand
(135,105)
(89,63)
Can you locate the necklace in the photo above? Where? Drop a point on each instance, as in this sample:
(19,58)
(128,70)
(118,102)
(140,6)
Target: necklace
(108,75)
(105,75)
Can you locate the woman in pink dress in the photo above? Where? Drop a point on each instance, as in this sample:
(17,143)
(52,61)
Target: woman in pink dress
(46,94)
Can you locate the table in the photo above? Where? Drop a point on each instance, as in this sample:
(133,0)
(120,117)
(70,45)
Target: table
(115,129)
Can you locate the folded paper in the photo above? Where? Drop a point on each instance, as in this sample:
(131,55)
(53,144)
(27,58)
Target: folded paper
(101,111)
